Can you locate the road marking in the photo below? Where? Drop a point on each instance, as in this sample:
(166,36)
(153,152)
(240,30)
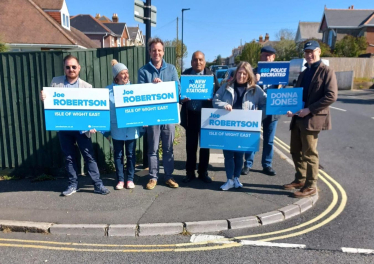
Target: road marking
(357,250)
(209,239)
(216,158)
(270,244)
(205,245)
(338,109)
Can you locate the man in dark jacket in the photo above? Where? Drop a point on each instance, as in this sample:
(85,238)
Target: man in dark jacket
(191,121)
(320,91)
(269,125)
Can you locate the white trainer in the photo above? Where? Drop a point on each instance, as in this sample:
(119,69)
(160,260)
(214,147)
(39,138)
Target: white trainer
(237,183)
(228,185)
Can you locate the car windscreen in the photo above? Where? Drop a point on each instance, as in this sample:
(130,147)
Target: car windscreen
(221,74)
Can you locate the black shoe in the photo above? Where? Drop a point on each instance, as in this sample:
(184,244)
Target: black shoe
(269,171)
(189,177)
(245,170)
(205,178)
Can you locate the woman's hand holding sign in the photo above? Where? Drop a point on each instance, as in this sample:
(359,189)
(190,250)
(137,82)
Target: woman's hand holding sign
(157,80)
(228,107)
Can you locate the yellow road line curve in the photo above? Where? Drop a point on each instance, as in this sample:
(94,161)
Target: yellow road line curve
(185,247)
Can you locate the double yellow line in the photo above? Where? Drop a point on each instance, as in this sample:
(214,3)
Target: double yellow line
(331,212)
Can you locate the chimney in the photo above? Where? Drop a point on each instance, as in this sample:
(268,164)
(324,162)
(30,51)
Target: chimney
(260,39)
(115,18)
(97,16)
(352,7)
(267,37)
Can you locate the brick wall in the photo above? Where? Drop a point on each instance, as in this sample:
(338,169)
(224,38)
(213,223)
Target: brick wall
(370,39)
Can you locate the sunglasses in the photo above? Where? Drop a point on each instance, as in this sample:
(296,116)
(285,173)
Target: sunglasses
(73,67)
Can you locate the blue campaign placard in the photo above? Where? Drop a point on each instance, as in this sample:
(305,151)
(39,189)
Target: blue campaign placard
(237,130)
(197,87)
(280,101)
(273,72)
(147,104)
(77,120)
(76,109)
(230,140)
(148,115)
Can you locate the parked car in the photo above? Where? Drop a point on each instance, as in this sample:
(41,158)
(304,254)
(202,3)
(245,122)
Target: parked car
(213,68)
(228,75)
(220,74)
(296,67)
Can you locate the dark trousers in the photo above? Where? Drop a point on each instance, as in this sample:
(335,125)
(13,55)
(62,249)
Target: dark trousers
(67,141)
(192,141)
(130,158)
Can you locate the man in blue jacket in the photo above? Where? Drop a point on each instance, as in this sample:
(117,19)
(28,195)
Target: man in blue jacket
(157,70)
(269,125)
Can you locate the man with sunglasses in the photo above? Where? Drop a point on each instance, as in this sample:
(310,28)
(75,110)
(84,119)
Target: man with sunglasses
(69,138)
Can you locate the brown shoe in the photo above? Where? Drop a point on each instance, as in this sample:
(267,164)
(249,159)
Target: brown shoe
(151,184)
(294,185)
(171,183)
(305,192)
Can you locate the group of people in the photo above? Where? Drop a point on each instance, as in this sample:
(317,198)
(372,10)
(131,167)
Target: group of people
(242,92)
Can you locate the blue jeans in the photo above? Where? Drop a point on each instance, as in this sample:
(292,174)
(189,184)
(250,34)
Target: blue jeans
(233,163)
(269,128)
(130,158)
(67,141)
(166,133)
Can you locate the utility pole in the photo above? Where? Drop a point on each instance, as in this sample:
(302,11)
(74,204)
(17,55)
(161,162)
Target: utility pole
(184,9)
(147,16)
(176,48)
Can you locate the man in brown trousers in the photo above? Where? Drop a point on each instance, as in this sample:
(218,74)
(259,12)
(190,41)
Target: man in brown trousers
(320,90)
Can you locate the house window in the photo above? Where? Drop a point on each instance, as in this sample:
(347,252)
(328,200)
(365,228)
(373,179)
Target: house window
(118,42)
(68,21)
(331,34)
(63,20)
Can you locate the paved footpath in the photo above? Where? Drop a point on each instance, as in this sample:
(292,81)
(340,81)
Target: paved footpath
(23,200)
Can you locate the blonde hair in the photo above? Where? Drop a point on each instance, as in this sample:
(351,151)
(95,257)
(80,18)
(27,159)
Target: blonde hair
(114,62)
(251,81)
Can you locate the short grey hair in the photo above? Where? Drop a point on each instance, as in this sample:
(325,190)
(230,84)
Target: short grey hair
(198,51)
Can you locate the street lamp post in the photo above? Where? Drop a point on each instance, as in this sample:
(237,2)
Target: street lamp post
(183,9)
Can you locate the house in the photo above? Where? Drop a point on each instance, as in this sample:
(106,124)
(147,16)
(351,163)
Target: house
(118,28)
(307,30)
(96,30)
(39,25)
(337,23)
(136,36)
(235,53)
(266,41)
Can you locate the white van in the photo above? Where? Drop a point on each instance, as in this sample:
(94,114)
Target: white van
(296,67)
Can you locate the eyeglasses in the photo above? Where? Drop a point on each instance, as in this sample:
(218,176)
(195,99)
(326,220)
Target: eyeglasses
(73,67)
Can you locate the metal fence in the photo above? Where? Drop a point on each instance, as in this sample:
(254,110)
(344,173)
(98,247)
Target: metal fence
(25,146)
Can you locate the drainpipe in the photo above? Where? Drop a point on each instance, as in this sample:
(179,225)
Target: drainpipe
(106,34)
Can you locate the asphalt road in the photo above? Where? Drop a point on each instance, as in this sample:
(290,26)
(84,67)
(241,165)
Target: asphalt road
(345,154)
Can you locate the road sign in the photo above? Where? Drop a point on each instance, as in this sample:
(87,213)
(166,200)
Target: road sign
(139,12)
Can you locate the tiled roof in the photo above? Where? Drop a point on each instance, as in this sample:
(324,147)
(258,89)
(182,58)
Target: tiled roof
(117,28)
(309,30)
(347,17)
(88,24)
(32,25)
(49,4)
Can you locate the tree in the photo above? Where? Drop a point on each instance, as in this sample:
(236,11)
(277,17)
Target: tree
(251,53)
(350,46)
(286,50)
(3,47)
(219,60)
(178,51)
(285,33)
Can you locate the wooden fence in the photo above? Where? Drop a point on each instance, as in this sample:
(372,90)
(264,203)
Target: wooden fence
(25,146)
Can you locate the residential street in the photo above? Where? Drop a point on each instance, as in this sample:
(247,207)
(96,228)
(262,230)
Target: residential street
(317,235)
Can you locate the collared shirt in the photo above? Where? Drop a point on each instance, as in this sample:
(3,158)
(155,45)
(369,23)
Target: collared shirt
(307,78)
(195,105)
(70,85)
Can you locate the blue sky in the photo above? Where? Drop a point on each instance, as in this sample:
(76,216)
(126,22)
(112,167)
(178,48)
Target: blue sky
(216,27)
